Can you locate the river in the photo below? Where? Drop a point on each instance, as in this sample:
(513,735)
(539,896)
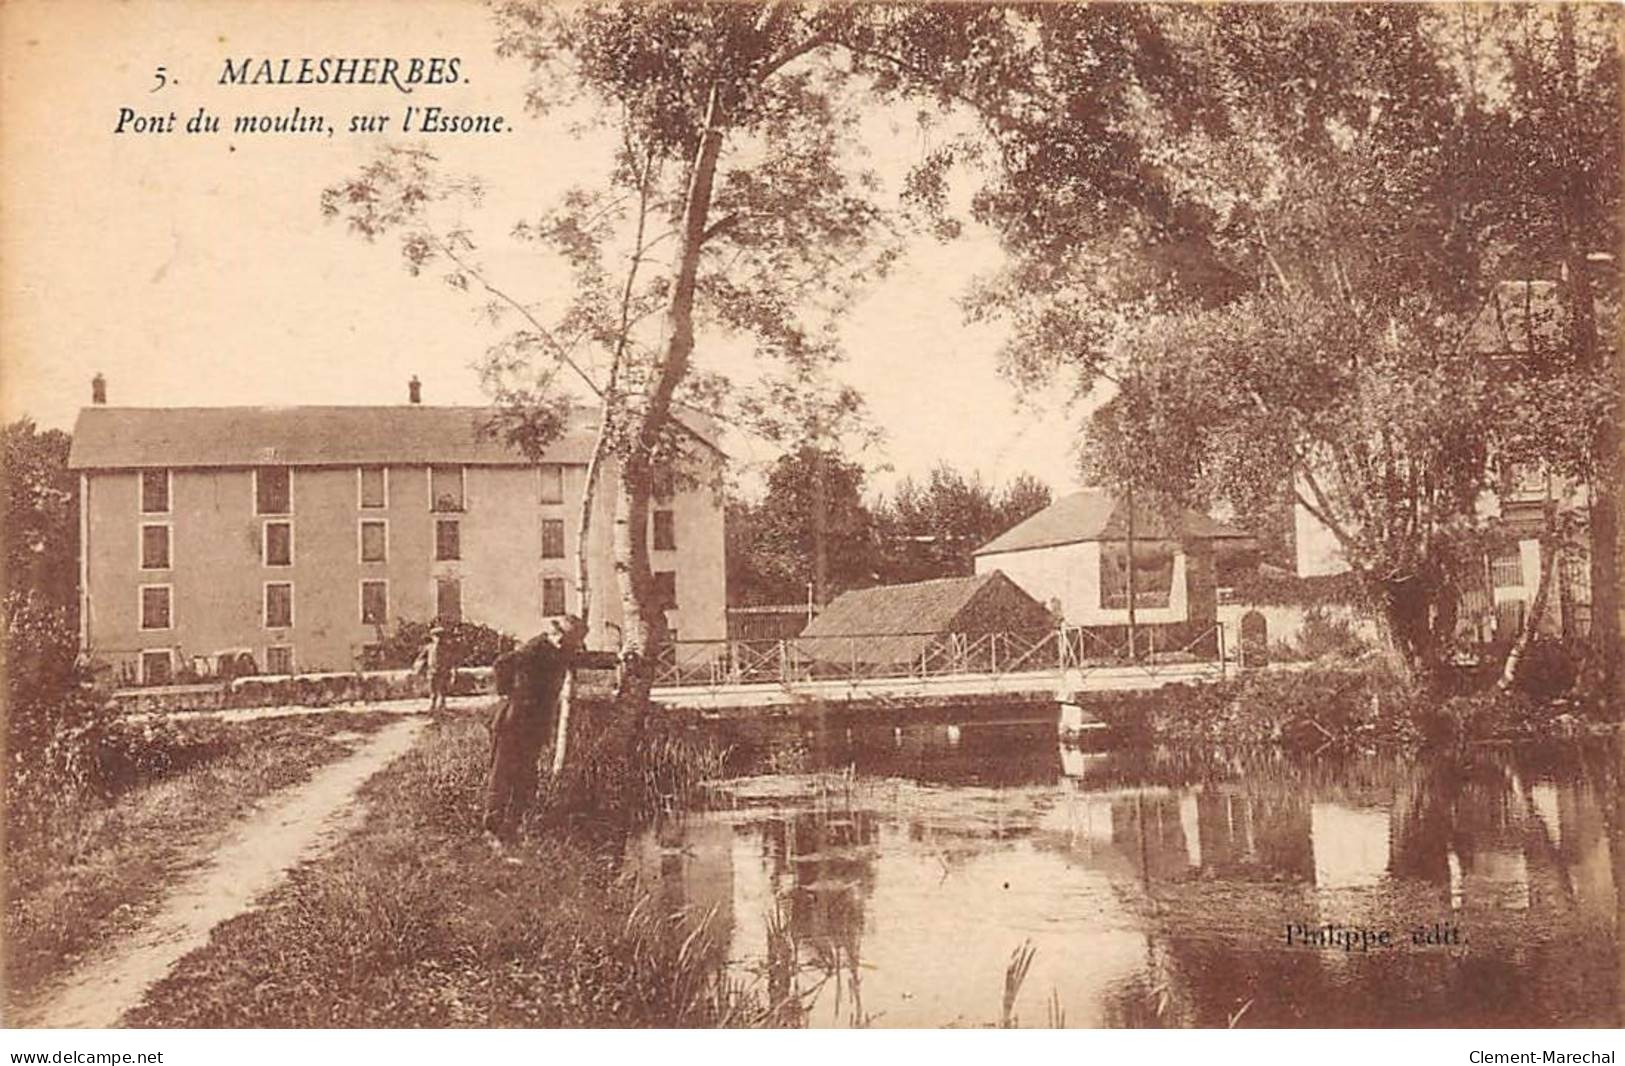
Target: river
(897,877)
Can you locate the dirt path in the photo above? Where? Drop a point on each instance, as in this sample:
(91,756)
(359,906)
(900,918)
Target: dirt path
(295,826)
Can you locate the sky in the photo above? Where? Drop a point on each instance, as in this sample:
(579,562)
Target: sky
(196,269)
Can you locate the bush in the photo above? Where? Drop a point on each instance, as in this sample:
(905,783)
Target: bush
(1326,636)
(1300,707)
(65,741)
(467,644)
(619,776)
(1548,669)
(54,722)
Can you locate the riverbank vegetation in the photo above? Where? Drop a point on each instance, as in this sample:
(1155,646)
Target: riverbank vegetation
(89,861)
(1336,702)
(413,921)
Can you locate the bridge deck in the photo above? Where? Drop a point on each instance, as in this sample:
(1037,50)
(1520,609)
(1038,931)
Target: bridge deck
(1061,685)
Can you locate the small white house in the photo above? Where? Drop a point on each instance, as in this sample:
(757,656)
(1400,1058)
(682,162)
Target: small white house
(1073,557)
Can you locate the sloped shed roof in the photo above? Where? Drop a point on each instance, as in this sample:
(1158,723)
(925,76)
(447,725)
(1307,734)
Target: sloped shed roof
(125,437)
(897,621)
(1096,514)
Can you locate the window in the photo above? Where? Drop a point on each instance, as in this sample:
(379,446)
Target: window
(552,483)
(155,492)
(155,547)
(374,486)
(278,606)
(445,488)
(665,531)
(552,597)
(156,667)
(448,540)
(666,588)
(448,599)
(155,607)
(1153,574)
(552,538)
(664,483)
(374,542)
(374,603)
(1506,569)
(279,659)
(279,544)
(273,490)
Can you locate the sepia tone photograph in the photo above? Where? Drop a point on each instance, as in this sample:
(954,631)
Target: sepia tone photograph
(778,514)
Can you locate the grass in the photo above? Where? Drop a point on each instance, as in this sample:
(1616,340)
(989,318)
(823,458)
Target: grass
(412,921)
(87,869)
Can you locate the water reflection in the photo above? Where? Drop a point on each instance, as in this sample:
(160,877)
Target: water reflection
(885,877)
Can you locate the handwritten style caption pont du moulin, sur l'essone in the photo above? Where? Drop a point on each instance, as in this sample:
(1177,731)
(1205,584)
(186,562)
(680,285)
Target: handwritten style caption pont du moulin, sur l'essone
(403,75)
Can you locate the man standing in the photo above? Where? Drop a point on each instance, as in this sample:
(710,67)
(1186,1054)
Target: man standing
(435,664)
(530,679)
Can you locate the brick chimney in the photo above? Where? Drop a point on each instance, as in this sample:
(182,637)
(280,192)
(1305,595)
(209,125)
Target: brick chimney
(98,389)
(414,390)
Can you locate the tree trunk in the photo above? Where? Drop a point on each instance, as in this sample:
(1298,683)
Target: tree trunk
(1601,672)
(1616,548)
(1403,608)
(607,415)
(1605,647)
(1601,667)
(589,496)
(1549,551)
(820,527)
(641,633)
(644,619)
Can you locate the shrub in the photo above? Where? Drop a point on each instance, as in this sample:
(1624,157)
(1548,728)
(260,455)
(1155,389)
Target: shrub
(467,644)
(1300,707)
(620,776)
(1548,669)
(54,722)
(1328,636)
(65,742)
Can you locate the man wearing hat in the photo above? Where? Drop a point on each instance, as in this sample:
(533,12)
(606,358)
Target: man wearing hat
(530,678)
(434,662)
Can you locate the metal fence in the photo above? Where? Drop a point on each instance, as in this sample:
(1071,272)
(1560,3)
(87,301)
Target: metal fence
(874,656)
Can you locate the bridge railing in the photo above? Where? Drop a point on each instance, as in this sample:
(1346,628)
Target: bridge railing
(1155,650)
(874,656)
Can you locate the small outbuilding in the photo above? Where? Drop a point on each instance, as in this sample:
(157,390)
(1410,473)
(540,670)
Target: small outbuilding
(898,624)
(1073,555)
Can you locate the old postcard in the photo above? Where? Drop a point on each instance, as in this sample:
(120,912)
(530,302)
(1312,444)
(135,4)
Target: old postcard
(801,515)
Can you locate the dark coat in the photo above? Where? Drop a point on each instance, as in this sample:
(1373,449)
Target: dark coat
(532,674)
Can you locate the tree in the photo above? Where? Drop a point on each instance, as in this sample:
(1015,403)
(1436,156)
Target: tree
(1376,422)
(1331,166)
(737,129)
(42,519)
(1554,124)
(933,530)
(773,544)
(1285,301)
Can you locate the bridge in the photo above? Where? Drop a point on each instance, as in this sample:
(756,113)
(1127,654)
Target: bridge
(1052,665)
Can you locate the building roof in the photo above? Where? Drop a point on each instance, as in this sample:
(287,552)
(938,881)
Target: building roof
(1096,514)
(919,607)
(125,437)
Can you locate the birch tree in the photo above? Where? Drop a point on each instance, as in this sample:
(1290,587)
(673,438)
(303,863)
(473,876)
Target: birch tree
(738,204)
